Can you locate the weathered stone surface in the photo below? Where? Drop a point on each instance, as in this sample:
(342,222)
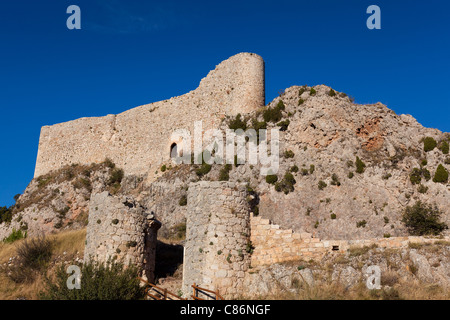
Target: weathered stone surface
(215,259)
(119,228)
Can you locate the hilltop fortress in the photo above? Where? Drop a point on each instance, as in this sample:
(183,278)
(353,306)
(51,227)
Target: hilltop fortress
(347,173)
(138,140)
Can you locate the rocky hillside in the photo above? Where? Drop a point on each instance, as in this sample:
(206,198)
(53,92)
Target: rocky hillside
(347,171)
(60,200)
(359,167)
(417,272)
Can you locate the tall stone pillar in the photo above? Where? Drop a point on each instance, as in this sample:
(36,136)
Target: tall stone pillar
(119,228)
(217,237)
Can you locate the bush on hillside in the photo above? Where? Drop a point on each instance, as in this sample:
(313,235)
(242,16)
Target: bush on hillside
(441,174)
(422,219)
(99,281)
(429,144)
(444,147)
(237,123)
(360,166)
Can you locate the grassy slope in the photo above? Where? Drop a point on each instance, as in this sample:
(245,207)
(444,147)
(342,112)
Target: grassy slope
(70,242)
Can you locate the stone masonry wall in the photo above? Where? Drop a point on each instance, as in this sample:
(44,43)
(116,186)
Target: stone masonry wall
(121,228)
(139,140)
(275,245)
(218,230)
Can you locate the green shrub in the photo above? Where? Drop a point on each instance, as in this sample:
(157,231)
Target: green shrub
(360,166)
(444,147)
(424,162)
(423,219)
(333,216)
(305,172)
(415,176)
(14,236)
(286,185)
(289,154)
(387,176)
(300,101)
(274,114)
(163,168)
(203,170)
(99,281)
(271,178)
(116,176)
(108,163)
(224,174)
(294,168)
(422,189)
(361,224)
(335,180)
(322,185)
(312,92)
(312,168)
(350,175)
(6,214)
(301,91)
(429,144)
(447,160)
(183,201)
(237,123)
(426,174)
(331,93)
(441,174)
(283,125)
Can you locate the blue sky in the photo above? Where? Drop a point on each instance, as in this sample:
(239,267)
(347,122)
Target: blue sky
(130,53)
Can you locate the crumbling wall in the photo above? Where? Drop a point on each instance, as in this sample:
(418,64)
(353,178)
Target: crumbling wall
(120,228)
(217,238)
(139,140)
(275,245)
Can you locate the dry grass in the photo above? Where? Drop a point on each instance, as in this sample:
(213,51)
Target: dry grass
(335,291)
(71,242)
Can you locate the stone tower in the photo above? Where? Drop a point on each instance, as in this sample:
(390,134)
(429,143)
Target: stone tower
(217,237)
(121,229)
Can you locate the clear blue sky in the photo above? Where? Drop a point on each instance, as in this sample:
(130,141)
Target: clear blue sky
(130,53)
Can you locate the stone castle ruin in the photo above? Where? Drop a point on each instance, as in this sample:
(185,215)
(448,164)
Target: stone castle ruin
(224,238)
(139,140)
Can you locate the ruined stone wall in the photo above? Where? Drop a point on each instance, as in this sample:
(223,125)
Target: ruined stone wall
(218,229)
(275,245)
(138,140)
(121,228)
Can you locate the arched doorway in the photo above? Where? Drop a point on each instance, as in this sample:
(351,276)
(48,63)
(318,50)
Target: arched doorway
(173,151)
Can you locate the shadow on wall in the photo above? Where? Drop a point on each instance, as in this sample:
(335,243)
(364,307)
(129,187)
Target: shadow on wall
(168,258)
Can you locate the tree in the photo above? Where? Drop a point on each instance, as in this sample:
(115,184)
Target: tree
(360,166)
(422,219)
(429,144)
(441,174)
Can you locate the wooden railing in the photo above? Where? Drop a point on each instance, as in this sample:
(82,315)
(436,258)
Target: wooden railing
(206,292)
(158,293)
